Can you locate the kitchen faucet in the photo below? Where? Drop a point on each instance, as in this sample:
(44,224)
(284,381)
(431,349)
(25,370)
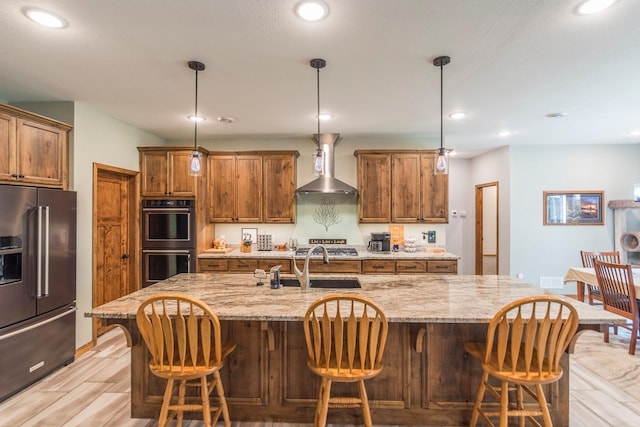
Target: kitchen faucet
(303,276)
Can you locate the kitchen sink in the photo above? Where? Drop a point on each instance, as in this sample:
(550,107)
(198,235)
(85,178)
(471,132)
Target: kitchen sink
(325,283)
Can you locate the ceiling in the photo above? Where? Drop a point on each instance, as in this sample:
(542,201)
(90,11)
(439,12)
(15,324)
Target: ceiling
(512,63)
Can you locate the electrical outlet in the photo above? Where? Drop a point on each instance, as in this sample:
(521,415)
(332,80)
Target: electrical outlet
(431,236)
(454,213)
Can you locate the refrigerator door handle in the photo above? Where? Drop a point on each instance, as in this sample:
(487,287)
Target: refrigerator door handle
(46,251)
(39,253)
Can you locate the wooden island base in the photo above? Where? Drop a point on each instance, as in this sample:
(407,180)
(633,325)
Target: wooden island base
(427,379)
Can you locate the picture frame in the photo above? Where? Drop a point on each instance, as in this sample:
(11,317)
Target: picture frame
(573,207)
(253,232)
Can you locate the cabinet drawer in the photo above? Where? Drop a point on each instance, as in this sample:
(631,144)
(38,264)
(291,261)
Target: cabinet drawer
(334,266)
(442,267)
(407,266)
(243,265)
(213,264)
(375,266)
(266,264)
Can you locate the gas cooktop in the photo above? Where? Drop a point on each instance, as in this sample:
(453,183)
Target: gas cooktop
(331,251)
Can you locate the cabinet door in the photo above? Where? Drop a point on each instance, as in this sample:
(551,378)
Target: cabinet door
(248,188)
(7,148)
(374,186)
(405,193)
(42,152)
(279,188)
(153,168)
(221,173)
(179,182)
(435,192)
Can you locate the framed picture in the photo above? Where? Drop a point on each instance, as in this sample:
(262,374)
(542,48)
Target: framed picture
(251,233)
(573,207)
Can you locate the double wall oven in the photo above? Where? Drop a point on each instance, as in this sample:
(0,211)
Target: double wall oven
(168,239)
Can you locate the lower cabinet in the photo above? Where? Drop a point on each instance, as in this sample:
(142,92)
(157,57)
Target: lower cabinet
(367,266)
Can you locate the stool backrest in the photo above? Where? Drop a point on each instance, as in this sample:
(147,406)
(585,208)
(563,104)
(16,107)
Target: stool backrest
(588,257)
(180,331)
(617,288)
(347,332)
(531,334)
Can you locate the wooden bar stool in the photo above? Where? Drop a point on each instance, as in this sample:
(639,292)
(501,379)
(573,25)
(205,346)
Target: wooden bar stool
(525,342)
(345,336)
(183,337)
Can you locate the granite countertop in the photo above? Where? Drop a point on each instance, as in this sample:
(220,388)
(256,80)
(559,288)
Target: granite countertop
(404,298)
(363,253)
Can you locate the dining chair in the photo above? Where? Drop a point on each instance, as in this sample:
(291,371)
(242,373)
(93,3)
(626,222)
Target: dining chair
(593,292)
(619,296)
(345,336)
(183,337)
(526,340)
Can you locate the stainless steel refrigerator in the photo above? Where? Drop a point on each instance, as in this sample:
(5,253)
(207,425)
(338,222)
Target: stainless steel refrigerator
(37,284)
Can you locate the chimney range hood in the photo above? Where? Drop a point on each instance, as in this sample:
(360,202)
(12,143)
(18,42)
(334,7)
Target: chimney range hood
(326,182)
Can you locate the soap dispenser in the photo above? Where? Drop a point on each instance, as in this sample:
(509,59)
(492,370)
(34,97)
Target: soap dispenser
(275,276)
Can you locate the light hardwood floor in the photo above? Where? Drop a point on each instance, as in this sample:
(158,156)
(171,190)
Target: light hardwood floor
(94,390)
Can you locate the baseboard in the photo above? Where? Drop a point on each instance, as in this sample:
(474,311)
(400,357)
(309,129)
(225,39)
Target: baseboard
(82,350)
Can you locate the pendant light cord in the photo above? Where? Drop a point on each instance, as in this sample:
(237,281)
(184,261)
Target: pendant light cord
(195,118)
(318,98)
(441,109)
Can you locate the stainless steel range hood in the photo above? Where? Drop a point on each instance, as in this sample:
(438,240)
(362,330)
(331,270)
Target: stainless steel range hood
(327,183)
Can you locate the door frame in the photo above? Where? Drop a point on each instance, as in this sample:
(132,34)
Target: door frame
(133,234)
(479,232)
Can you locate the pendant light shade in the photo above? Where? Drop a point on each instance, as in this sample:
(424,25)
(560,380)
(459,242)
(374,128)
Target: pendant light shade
(442,163)
(195,159)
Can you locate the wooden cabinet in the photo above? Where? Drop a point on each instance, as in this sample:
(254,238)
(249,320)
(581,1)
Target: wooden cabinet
(234,190)
(374,188)
(165,172)
(242,265)
(33,149)
(442,266)
(400,187)
(334,266)
(252,187)
(411,266)
(279,188)
(376,266)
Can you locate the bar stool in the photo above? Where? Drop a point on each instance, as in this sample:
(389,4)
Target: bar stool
(182,335)
(525,342)
(345,336)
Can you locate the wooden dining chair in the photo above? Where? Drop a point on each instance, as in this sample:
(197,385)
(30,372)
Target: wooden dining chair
(183,337)
(593,292)
(619,296)
(345,336)
(525,342)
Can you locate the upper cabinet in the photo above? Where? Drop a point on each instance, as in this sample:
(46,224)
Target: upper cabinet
(165,172)
(234,190)
(251,187)
(279,172)
(33,149)
(400,187)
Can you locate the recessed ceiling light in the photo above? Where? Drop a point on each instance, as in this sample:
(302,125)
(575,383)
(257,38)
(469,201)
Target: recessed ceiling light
(226,119)
(558,114)
(635,133)
(312,10)
(325,116)
(196,118)
(504,133)
(594,6)
(45,18)
(458,115)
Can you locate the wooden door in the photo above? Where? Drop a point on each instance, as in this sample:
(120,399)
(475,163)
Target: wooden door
(434,196)
(7,147)
(41,153)
(279,188)
(221,175)
(374,187)
(153,166)
(405,193)
(249,188)
(487,227)
(115,230)
(180,183)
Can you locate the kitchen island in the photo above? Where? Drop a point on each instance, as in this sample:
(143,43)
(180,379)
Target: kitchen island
(428,379)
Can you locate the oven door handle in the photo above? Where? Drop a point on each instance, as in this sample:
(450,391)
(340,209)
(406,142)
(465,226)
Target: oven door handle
(166,210)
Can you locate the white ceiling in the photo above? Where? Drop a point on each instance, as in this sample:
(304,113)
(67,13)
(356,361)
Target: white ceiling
(512,62)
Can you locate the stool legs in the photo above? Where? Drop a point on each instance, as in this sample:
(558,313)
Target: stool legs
(164,410)
(217,383)
(322,407)
(366,413)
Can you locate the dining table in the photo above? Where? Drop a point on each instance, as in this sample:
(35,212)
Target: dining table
(582,275)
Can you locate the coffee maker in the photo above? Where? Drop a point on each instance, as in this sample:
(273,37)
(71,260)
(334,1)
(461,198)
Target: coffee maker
(380,242)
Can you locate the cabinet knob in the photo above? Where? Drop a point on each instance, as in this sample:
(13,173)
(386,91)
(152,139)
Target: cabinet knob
(124,256)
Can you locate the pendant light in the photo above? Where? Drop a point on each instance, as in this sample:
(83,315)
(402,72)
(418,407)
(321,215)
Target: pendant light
(195,159)
(442,165)
(319,157)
